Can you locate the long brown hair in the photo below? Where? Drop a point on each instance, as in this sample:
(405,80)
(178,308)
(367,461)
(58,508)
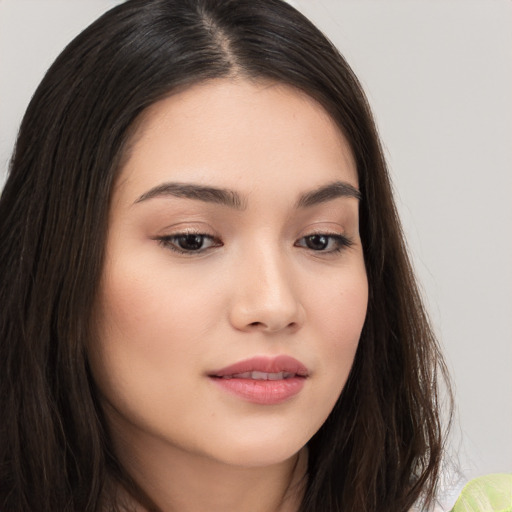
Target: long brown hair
(380,448)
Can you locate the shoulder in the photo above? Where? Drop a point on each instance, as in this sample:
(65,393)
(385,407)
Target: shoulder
(489,493)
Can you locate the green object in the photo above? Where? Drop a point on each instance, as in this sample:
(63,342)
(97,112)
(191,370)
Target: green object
(490,493)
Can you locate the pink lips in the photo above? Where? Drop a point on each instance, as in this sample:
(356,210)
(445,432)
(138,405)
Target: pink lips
(263,380)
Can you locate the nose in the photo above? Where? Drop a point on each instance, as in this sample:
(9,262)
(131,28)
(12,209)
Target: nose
(266,296)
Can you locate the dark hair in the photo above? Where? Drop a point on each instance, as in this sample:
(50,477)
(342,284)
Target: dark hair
(380,448)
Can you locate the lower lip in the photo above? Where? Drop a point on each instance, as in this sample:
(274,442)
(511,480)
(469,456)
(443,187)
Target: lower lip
(264,392)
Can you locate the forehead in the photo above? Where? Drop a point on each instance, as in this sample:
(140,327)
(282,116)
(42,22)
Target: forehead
(238,133)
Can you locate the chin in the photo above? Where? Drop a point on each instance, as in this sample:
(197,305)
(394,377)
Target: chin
(265,447)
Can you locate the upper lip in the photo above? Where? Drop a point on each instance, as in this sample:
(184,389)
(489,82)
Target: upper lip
(282,363)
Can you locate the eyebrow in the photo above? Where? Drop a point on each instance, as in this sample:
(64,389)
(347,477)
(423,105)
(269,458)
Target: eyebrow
(234,200)
(328,193)
(200,192)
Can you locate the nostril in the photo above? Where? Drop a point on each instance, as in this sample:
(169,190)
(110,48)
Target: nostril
(263,325)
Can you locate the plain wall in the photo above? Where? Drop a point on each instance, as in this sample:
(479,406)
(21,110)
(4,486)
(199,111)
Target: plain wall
(439,77)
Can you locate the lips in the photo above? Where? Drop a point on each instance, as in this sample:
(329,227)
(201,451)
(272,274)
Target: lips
(264,368)
(262,380)
(260,375)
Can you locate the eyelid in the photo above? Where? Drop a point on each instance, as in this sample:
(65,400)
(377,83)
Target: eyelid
(171,241)
(168,241)
(342,241)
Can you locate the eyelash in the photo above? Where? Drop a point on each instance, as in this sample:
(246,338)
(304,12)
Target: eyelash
(171,242)
(341,242)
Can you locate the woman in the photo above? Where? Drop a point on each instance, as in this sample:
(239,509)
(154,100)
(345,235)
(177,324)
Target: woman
(207,302)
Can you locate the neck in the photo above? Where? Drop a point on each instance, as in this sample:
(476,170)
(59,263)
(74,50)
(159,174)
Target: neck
(178,481)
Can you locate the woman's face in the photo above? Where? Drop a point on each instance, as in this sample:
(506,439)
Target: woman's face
(234,289)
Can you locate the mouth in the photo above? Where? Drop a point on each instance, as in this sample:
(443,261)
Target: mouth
(256,375)
(263,368)
(263,380)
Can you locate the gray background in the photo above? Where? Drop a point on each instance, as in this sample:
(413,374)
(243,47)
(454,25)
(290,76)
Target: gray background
(438,74)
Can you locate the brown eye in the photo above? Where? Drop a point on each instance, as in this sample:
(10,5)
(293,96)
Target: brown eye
(322,242)
(317,242)
(189,243)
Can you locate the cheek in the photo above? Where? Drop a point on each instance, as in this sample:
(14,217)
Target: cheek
(338,314)
(347,313)
(149,307)
(148,331)
(338,303)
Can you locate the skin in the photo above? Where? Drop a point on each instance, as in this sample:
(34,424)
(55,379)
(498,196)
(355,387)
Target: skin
(166,320)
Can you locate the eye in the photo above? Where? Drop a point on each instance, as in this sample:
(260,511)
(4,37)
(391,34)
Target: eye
(189,243)
(323,242)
